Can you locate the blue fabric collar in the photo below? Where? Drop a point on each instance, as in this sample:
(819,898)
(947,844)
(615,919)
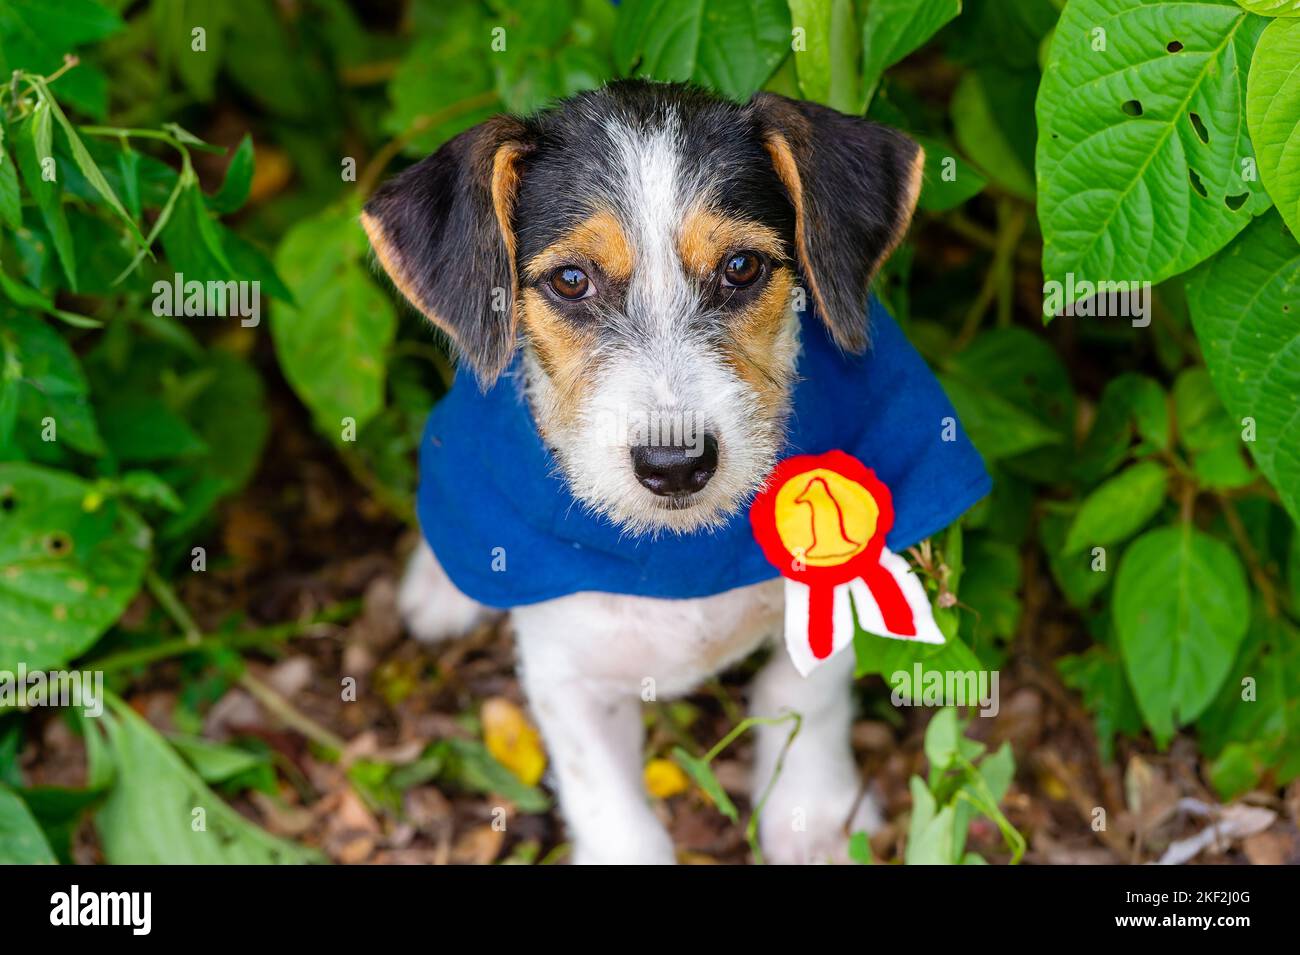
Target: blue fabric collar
(508,532)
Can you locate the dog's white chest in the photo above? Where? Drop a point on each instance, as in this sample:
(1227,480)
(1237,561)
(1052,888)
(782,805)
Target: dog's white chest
(628,641)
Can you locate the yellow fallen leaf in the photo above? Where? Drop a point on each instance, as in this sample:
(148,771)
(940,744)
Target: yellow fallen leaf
(664,779)
(512,740)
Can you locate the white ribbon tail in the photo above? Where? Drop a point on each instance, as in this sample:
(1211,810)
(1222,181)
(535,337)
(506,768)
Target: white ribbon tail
(869,616)
(796,625)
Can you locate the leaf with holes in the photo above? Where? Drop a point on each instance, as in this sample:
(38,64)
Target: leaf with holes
(1245,307)
(731,46)
(1181,610)
(70,562)
(1273,114)
(1142,138)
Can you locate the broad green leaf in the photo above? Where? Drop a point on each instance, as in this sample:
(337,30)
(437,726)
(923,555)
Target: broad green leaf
(1273,114)
(990,589)
(1118,508)
(554,50)
(333,343)
(999,428)
(36,34)
(444,84)
(942,739)
(215,762)
(1181,610)
(1272,8)
(1142,138)
(730,46)
(826,52)
(71,562)
(51,384)
(174,23)
(21,839)
(1074,575)
(989,130)
(894,28)
(34,150)
(930,836)
(159,812)
(239,179)
(949,180)
(11,204)
(1245,307)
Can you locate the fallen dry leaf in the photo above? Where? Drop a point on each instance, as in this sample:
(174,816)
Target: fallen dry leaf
(664,779)
(513,740)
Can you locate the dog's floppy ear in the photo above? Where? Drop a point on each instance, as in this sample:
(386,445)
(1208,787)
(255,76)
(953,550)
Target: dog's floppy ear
(854,185)
(442,230)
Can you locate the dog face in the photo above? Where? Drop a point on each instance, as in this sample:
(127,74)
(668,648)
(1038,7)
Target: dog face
(645,244)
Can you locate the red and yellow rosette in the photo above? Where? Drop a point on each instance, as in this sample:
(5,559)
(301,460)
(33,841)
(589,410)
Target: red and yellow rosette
(822,521)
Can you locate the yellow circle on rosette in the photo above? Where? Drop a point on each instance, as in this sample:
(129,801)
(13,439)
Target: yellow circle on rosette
(824,518)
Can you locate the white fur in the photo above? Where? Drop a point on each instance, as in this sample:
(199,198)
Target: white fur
(588,661)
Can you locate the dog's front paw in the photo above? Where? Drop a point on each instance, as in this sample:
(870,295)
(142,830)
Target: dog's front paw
(633,844)
(803,826)
(431,606)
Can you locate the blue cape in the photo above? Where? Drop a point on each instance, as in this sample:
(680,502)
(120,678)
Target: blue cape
(507,531)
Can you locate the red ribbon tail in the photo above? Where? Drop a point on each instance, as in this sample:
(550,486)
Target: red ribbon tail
(895,612)
(821,621)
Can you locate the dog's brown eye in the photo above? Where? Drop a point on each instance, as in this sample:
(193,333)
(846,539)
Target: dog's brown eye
(741,269)
(571,283)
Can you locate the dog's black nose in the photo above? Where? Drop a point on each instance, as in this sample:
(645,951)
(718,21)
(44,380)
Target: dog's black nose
(674,471)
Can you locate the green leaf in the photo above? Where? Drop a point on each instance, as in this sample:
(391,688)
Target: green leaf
(1272,8)
(33,145)
(991,118)
(11,203)
(1098,675)
(174,22)
(948,179)
(1074,575)
(21,839)
(702,773)
(332,345)
(1245,307)
(931,832)
(72,564)
(239,179)
(85,163)
(554,50)
(730,46)
(1181,610)
(1118,508)
(151,814)
(894,28)
(35,35)
(826,60)
(215,762)
(52,384)
(1142,138)
(943,739)
(444,84)
(1273,115)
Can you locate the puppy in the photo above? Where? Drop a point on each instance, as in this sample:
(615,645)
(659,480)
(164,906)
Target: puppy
(630,268)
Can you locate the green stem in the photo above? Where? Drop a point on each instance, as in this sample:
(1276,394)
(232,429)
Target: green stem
(262,636)
(167,599)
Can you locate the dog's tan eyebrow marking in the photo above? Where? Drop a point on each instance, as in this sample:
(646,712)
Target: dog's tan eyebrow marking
(705,236)
(599,238)
(562,348)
